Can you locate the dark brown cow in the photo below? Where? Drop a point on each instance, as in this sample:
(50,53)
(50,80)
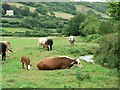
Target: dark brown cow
(25,60)
(58,63)
(3,48)
(8,45)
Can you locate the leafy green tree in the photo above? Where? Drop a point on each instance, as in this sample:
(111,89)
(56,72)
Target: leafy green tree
(106,27)
(2,11)
(73,26)
(6,6)
(30,22)
(34,14)
(48,24)
(114,10)
(90,25)
(41,9)
(25,11)
(60,25)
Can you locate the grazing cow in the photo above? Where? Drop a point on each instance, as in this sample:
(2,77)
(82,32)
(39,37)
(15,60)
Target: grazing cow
(41,41)
(46,43)
(8,46)
(25,60)
(3,48)
(58,63)
(49,42)
(71,40)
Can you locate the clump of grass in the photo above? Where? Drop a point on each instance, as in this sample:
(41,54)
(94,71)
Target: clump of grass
(80,76)
(114,72)
(27,85)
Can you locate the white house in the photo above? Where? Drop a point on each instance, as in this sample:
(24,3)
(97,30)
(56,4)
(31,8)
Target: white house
(9,12)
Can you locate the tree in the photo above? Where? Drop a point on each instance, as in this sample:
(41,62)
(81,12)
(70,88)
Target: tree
(114,10)
(30,22)
(25,11)
(73,26)
(34,14)
(6,6)
(41,9)
(106,27)
(90,25)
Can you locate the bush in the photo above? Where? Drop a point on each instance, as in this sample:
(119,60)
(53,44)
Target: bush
(4,21)
(93,38)
(108,51)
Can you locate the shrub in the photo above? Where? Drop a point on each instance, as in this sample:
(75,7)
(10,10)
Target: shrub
(4,21)
(108,51)
(93,38)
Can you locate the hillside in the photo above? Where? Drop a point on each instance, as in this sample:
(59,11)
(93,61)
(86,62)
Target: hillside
(62,9)
(45,17)
(82,8)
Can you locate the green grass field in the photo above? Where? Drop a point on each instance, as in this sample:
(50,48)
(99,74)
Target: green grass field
(63,15)
(13,76)
(15,29)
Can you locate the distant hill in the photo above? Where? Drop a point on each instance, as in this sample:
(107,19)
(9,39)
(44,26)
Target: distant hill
(65,10)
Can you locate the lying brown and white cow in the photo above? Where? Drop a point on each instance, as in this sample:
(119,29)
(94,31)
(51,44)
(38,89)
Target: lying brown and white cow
(61,62)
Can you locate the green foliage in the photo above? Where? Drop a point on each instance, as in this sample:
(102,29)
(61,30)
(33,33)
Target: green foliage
(114,10)
(41,9)
(114,72)
(25,11)
(106,27)
(93,38)
(80,76)
(101,7)
(108,51)
(64,7)
(73,26)
(34,14)
(27,85)
(5,7)
(49,24)
(90,25)
(30,22)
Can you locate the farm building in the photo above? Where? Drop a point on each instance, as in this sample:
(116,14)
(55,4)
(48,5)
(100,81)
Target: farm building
(9,12)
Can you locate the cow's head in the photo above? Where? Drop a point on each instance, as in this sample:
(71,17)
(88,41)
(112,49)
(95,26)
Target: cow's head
(78,63)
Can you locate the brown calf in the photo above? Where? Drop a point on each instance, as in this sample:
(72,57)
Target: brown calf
(58,63)
(25,60)
(45,46)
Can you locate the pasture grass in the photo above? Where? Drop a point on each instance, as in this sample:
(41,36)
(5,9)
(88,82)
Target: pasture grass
(15,29)
(32,9)
(63,15)
(82,8)
(13,76)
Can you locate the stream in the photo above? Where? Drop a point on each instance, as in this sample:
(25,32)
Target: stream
(87,58)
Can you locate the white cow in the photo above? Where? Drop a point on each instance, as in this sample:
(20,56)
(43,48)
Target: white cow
(71,40)
(42,41)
